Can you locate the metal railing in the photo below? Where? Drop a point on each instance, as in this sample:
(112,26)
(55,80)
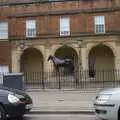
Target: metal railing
(77,80)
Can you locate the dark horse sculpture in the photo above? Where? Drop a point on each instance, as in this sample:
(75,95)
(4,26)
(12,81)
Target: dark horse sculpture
(66,63)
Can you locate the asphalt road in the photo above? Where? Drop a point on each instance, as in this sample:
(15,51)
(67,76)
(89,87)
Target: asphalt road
(58,117)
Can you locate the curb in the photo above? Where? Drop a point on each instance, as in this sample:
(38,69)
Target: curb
(64,90)
(62,112)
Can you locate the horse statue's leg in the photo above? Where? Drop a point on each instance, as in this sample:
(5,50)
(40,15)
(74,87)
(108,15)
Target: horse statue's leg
(71,69)
(68,69)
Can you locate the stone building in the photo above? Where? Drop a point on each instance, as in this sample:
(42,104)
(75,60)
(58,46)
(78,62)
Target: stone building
(88,31)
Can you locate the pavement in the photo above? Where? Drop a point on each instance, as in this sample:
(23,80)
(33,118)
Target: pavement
(63,101)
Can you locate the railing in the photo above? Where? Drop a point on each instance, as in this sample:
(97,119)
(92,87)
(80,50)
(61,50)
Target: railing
(77,80)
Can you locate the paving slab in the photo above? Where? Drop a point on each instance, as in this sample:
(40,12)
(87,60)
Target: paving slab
(63,101)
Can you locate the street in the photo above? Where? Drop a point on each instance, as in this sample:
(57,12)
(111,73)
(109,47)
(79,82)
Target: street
(58,117)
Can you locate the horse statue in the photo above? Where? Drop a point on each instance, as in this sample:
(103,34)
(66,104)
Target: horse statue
(66,63)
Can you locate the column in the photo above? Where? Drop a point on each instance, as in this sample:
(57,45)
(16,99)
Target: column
(48,65)
(16,61)
(84,63)
(83,58)
(117,64)
(117,59)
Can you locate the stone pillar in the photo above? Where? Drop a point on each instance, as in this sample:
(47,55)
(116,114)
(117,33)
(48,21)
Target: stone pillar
(16,60)
(117,63)
(83,58)
(84,64)
(48,65)
(117,58)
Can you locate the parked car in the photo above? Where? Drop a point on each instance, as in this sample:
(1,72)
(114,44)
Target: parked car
(13,103)
(107,104)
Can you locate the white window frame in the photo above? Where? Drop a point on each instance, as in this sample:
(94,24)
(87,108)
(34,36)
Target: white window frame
(30,28)
(99,24)
(3,70)
(3,30)
(65,26)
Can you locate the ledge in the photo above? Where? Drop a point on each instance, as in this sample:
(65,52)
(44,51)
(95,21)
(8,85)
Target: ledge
(48,36)
(28,2)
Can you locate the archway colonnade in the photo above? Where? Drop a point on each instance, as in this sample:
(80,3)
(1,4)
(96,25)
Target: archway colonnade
(93,55)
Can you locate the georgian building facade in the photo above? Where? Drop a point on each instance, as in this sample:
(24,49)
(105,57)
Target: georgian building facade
(87,31)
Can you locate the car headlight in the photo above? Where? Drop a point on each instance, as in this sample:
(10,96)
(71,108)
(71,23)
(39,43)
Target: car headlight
(103,98)
(13,98)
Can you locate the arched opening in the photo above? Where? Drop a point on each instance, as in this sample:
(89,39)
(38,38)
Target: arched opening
(32,66)
(67,52)
(31,61)
(101,58)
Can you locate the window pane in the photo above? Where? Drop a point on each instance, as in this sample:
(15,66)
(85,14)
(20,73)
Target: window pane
(31,24)
(99,24)
(31,32)
(64,22)
(31,28)
(64,26)
(100,29)
(4,69)
(99,20)
(3,30)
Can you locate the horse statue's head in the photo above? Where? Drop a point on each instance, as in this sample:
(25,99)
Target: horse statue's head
(50,57)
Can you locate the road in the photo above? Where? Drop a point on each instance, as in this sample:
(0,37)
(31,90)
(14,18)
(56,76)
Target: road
(58,117)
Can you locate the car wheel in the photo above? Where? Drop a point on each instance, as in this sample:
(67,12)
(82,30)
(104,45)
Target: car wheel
(2,113)
(119,114)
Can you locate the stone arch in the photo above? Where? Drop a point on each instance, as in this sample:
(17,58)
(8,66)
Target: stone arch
(57,47)
(31,60)
(67,52)
(111,46)
(100,57)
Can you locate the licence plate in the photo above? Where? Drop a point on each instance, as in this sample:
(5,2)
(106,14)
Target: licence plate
(28,106)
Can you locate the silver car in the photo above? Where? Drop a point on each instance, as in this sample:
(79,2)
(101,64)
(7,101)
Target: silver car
(107,104)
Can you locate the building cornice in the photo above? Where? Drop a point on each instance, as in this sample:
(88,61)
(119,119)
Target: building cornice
(70,12)
(36,2)
(49,36)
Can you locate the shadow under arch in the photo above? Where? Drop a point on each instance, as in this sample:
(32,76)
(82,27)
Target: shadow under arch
(32,67)
(101,58)
(31,60)
(67,52)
